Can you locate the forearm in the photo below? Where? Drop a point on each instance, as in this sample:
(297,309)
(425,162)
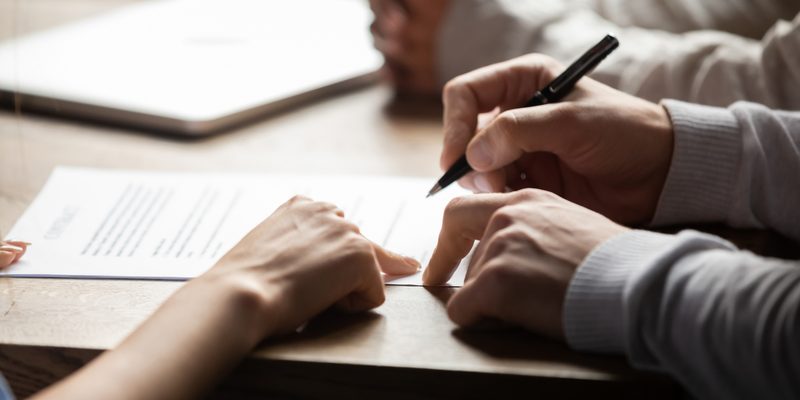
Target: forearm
(749,18)
(299,261)
(736,166)
(180,352)
(721,321)
(705,67)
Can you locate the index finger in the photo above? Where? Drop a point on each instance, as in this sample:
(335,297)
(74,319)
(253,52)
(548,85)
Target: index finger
(505,85)
(392,263)
(464,221)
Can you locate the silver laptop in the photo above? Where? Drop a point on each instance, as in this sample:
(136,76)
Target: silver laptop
(191,66)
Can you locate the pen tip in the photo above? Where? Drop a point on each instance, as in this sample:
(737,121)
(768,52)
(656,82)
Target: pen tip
(435,189)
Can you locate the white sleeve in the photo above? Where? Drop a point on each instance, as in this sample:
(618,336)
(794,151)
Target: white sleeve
(749,18)
(706,67)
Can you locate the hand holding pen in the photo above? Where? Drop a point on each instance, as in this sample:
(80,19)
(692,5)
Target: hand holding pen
(600,148)
(553,92)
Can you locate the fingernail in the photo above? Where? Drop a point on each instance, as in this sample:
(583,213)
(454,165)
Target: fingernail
(412,262)
(482,183)
(8,247)
(480,155)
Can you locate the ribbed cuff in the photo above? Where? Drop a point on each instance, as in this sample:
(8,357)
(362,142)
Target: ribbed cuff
(705,163)
(594,309)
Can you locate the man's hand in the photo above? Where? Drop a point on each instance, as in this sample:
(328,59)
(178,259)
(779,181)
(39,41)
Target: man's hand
(600,148)
(531,242)
(405,31)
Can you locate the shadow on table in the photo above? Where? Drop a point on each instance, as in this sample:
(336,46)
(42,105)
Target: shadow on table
(333,322)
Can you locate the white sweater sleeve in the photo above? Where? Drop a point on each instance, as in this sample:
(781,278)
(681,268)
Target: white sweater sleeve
(724,323)
(706,67)
(749,18)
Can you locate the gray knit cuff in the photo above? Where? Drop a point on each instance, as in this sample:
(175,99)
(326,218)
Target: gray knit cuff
(594,310)
(705,161)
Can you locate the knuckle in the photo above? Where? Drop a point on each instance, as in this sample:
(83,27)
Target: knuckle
(529,195)
(510,235)
(298,199)
(496,246)
(504,216)
(507,122)
(326,206)
(452,87)
(454,205)
(505,240)
(349,227)
(455,89)
(356,245)
(548,67)
(499,275)
(380,296)
(338,228)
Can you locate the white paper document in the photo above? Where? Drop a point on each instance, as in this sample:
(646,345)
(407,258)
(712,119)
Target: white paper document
(92,223)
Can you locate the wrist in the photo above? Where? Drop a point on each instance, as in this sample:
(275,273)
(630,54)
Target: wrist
(240,306)
(663,136)
(599,235)
(200,333)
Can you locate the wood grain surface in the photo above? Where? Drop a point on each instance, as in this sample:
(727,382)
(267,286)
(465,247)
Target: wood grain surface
(407,348)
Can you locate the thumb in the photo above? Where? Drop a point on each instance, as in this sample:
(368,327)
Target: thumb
(549,128)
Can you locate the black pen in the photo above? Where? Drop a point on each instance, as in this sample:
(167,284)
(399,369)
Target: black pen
(553,92)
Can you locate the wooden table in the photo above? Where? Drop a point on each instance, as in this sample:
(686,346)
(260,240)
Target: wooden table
(405,348)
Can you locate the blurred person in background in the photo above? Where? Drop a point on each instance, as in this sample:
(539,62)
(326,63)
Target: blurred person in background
(712,52)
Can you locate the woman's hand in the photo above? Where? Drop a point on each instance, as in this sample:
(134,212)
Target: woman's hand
(11,251)
(600,148)
(302,259)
